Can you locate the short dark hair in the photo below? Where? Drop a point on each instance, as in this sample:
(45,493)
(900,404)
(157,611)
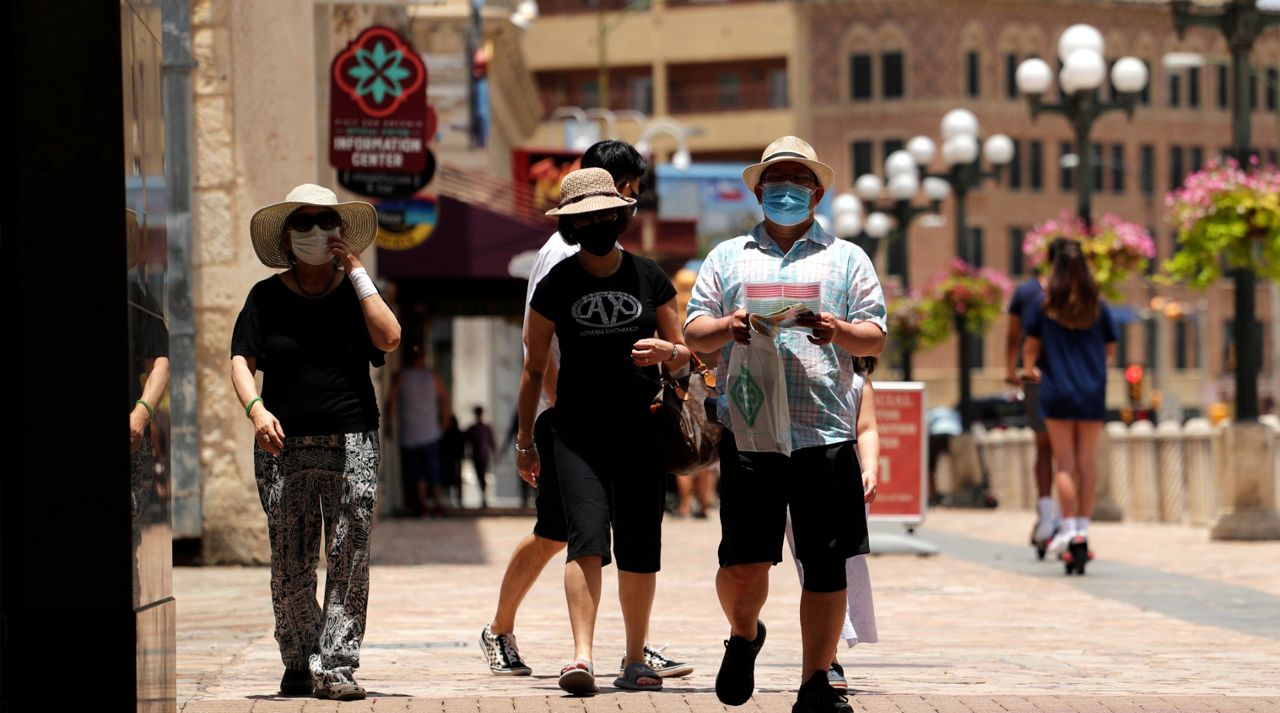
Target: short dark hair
(565,225)
(619,158)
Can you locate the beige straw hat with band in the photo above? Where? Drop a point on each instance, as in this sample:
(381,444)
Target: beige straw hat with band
(796,150)
(266,227)
(588,190)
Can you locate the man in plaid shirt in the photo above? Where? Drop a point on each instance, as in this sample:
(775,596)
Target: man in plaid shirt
(789,258)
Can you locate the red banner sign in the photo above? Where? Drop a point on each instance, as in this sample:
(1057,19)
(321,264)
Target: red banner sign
(903,479)
(378,118)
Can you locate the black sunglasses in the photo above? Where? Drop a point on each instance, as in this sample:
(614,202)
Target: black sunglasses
(302,222)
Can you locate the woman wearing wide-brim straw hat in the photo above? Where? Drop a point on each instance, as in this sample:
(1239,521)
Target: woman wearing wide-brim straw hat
(604,306)
(314,329)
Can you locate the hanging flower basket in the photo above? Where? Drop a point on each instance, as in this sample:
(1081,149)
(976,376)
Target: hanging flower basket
(917,322)
(1116,249)
(975,295)
(1227,218)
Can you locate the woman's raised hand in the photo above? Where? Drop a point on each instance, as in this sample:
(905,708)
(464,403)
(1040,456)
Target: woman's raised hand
(346,256)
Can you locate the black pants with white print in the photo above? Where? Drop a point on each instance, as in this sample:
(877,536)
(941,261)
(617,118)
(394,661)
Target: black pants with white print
(330,482)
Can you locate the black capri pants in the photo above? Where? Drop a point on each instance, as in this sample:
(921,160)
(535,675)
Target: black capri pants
(611,481)
(823,487)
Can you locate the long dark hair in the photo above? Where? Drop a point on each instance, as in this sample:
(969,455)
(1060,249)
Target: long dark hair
(1072,298)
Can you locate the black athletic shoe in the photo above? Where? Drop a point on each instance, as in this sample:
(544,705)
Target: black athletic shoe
(736,680)
(297,682)
(817,696)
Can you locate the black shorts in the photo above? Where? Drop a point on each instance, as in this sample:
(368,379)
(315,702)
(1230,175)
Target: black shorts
(550,523)
(822,486)
(610,482)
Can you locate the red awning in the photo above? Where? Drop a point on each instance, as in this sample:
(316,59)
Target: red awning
(470,241)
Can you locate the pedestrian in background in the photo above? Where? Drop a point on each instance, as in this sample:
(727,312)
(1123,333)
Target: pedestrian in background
(480,441)
(604,307)
(314,330)
(418,397)
(790,252)
(1071,336)
(1026,297)
(453,448)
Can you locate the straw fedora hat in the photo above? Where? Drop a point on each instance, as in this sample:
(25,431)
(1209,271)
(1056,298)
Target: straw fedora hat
(266,227)
(794,149)
(588,190)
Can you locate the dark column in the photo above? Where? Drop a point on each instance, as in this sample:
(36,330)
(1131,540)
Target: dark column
(68,619)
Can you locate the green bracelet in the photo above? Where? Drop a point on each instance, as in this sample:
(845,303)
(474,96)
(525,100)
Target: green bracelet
(151,413)
(250,406)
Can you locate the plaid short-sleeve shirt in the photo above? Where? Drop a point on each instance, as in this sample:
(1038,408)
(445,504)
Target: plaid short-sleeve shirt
(829,275)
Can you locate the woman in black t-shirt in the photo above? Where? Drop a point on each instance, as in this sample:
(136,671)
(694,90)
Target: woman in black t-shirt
(604,306)
(314,330)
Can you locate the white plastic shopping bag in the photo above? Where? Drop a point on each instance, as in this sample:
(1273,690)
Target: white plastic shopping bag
(757,393)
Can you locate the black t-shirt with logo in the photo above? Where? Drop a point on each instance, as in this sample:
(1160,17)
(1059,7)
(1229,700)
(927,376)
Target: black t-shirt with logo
(314,354)
(598,320)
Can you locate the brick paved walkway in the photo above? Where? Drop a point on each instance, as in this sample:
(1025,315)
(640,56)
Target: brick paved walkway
(979,628)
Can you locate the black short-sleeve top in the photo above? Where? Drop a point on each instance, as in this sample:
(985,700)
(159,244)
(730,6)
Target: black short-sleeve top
(597,321)
(314,354)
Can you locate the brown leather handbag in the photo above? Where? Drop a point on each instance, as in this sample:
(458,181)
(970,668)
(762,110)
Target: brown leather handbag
(686,439)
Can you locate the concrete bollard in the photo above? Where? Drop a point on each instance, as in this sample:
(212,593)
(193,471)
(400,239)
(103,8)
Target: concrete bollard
(1173,484)
(1145,484)
(1121,473)
(1249,506)
(1000,472)
(1024,480)
(966,469)
(1105,507)
(1202,501)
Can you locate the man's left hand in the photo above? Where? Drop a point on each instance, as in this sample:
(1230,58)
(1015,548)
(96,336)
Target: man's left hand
(823,325)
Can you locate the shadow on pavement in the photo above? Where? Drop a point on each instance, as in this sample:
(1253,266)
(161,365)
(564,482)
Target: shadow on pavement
(415,541)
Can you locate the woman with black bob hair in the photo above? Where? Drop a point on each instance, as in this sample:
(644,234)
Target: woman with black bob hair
(604,306)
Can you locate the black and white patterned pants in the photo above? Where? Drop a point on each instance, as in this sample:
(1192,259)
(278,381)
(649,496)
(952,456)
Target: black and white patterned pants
(317,481)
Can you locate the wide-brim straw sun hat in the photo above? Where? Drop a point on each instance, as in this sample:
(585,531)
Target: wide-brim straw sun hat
(588,190)
(794,149)
(266,227)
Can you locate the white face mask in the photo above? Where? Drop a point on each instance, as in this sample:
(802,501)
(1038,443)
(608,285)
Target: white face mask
(312,247)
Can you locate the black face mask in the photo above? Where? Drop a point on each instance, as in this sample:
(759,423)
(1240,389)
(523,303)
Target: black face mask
(598,238)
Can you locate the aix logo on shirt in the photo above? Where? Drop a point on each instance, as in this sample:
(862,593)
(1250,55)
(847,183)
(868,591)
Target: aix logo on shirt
(606,310)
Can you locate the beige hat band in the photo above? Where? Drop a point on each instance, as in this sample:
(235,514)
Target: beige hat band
(570,201)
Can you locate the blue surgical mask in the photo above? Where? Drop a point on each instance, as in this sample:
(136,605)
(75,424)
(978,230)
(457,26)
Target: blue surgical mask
(786,203)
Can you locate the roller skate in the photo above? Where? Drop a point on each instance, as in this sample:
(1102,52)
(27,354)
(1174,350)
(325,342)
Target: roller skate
(1077,555)
(1042,534)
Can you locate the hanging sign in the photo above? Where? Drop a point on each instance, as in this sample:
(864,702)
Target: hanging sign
(378,116)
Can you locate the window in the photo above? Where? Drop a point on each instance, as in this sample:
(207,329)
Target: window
(860,77)
(1193,87)
(642,94)
(890,145)
(1197,159)
(972,86)
(1175,89)
(894,83)
(590,93)
(1228,344)
(1180,334)
(1122,343)
(1065,174)
(1099,171)
(1253,91)
(730,91)
(1017,265)
(1117,168)
(862,158)
(1035,165)
(1011,76)
(1145,95)
(1177,169)
(1273,88)
(777,89)
(1148,169)
(1224,83)
(1149,357)
(1015,167)
(976,248)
